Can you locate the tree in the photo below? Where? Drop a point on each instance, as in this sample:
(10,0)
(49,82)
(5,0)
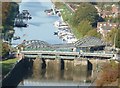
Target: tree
(117,42)
(119,3)
(85,11)
(108,8)
(93,33)
(114,37)
(110,36)
(5,11)
(9,11)
(5,49)
(109,74)
(84,27)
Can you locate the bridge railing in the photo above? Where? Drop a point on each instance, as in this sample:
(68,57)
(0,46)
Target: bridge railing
(50,52)
(98,54)
(61,54)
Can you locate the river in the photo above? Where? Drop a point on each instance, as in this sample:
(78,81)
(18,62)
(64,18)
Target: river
(41,28)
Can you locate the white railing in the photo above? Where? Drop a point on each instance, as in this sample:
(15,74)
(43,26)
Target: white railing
(50,52)
(71,54)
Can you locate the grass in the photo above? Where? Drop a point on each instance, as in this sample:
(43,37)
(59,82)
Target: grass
(67,16)
(7,65)
(66,13)
(9,61)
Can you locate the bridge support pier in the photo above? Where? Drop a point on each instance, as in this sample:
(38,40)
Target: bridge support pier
(37,68)
(96,66)
(57,64)
(80,70)
(53,68)
(68,69)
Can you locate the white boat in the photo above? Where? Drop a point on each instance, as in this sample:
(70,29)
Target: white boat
(57,23)
(62,33)
(65,29)
(69,38)
(73,40)
(60,24)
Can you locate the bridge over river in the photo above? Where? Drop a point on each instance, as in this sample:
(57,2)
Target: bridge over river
(37,48)
(76,61)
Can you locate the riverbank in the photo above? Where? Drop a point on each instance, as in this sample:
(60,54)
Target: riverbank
(108,75)
(7,65)
(9,12)
(67,16)
(65,30)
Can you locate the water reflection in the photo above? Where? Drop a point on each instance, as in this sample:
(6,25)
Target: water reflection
(37,74)
(47,69)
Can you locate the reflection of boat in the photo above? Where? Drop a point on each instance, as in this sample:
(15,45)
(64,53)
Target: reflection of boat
(55,33)
(16,37)
(48,11)
(51,13)
(20,23)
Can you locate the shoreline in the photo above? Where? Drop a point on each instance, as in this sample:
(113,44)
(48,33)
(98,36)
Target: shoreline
(70,28)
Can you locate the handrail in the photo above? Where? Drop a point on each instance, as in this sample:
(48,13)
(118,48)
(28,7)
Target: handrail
(87,54)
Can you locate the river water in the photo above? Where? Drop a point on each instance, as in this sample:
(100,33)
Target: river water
(41,28)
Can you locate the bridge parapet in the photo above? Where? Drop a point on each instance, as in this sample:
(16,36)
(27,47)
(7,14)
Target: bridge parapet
(65,55)
(50,52)
(107,55)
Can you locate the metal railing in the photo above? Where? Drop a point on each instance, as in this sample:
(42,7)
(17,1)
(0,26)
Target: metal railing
(53,54)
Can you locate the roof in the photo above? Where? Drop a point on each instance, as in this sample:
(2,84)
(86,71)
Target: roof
(66,45)
(36,44)
(106,12)
(107,25)
(89,42)
(42,45)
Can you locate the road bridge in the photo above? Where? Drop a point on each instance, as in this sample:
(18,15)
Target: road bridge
(34,48)
(65,55)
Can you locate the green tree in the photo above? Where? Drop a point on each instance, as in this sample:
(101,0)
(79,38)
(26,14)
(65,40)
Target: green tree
(85,11)
(93,33)
(117,42)
(110,36)
(5,49)
(114,37)
(108,8)
(84,27)
(9,11)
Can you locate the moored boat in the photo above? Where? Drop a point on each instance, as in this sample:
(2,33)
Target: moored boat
(55,33)
(16,37)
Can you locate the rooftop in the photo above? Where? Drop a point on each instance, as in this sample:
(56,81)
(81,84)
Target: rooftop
(89,42)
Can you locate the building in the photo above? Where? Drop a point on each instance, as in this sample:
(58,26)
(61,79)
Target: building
(105,14)
(105,27)
(114,12)
(90,44)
